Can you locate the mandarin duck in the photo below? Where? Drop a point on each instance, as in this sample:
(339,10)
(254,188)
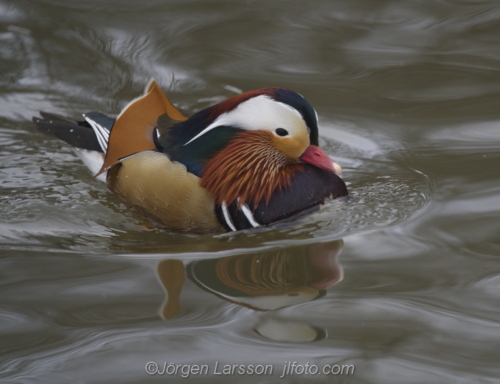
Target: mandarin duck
(249,161)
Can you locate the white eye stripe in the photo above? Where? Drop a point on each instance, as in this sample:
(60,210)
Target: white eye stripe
(259,113)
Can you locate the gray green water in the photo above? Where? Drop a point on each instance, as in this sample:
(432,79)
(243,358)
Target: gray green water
(408,96)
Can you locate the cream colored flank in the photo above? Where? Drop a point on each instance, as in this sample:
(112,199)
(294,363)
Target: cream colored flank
(165,192)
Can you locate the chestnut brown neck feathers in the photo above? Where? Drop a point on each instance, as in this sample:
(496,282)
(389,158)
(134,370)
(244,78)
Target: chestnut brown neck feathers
(249,168)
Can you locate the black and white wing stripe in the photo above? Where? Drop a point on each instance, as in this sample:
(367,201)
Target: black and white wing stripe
(89,138)
(101,129)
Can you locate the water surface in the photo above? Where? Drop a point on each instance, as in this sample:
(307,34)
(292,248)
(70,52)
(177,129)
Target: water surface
(402,282)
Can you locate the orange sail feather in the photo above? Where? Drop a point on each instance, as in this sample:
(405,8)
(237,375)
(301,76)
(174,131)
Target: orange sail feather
(133,129)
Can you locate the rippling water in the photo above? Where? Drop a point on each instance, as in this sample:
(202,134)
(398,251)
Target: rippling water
(402,281)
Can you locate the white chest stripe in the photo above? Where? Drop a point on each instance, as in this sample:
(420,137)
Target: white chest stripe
(227,217)
(249,216)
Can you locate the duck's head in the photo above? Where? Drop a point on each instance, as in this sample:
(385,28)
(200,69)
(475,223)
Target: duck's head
(253,143)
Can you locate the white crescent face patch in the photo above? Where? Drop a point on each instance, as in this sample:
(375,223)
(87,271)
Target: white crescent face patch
(261,113)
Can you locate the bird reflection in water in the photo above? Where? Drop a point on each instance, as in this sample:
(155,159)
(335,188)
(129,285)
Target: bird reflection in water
(262,281)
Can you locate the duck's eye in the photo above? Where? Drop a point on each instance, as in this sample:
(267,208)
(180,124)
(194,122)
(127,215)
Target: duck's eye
(281,132)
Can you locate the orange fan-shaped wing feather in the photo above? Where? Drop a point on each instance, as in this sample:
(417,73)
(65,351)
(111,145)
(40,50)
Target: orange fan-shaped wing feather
(132,131)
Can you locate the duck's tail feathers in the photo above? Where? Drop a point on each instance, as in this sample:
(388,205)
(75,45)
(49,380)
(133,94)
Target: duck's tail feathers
(114,140)
(91,134)
(89,138)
